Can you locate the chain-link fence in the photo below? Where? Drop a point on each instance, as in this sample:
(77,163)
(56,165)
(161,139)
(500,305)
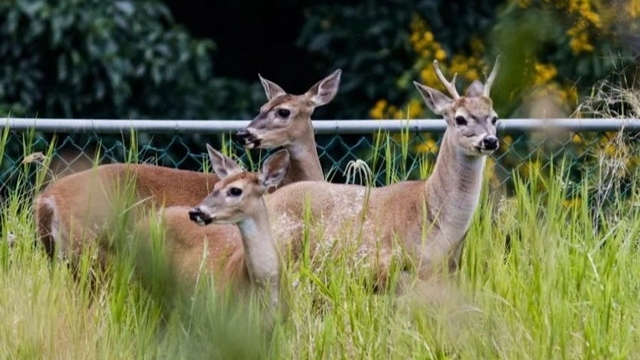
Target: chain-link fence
(392,149)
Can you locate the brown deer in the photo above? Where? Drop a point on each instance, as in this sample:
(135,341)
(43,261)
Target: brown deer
(428,219)
(286,121)
(79,207)
(241,256)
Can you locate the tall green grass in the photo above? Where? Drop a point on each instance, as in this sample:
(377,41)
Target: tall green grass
(539,280)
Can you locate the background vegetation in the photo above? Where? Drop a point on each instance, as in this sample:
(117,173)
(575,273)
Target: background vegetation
(169,59)
(549,273)
(539,279)
(190,60)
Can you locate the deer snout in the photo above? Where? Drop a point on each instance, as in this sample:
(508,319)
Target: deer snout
(242,135)
(200,217)
(246,138)
(490,143)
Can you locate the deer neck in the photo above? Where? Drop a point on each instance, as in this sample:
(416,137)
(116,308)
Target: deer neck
(304,162)
(453,189)
(261,254)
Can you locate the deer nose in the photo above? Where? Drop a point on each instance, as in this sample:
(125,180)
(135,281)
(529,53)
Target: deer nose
(200,217)
(195,215)
(242,135)
(490,142)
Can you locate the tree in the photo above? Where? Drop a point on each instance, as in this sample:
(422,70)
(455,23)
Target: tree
(105,59)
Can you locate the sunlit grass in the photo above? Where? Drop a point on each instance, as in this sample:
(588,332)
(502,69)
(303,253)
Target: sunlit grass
(538,280)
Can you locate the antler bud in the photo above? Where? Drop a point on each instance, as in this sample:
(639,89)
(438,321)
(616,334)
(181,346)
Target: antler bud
(450,86)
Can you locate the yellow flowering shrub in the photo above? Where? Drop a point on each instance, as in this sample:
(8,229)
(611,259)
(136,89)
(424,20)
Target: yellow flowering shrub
(549,72)
(589,19)
(633,8)
(546,85)
(427,48)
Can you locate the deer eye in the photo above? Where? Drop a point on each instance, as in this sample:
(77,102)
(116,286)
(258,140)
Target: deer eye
(284,113)
(494,120)
(460,120)
(234,191)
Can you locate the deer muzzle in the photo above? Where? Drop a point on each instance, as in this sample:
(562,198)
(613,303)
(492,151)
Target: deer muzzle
(200,217)
(490,143)
(247,139)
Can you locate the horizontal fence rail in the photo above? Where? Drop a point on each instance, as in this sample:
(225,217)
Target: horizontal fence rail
(320,126)
(393,149)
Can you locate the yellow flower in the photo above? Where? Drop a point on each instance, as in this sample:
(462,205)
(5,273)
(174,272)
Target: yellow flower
(428,36)
(471,74)
(441,55)
(415,37)
(414,108)
(429,78)
(610,150)
(459,64)
(544,73)
(507,141)
(576,139)
(581,44)
(402,138)
(571,95)
(427,146)
(593,18)
(633,8)
(377,112)
(530,168)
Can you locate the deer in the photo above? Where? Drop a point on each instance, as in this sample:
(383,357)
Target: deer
(76,209)
(243,254)
(286,121)
(427,219)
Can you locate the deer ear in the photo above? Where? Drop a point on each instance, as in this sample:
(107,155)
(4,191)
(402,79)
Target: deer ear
(435,100)
(475,89)
(222,165)
(271,89)
(274,169)
(325,90)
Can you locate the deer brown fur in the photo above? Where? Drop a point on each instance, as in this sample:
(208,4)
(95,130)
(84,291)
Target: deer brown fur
(77,208)
(426,220)
(243,254)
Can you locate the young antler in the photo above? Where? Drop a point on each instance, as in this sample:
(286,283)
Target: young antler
(450,86)
(492,77)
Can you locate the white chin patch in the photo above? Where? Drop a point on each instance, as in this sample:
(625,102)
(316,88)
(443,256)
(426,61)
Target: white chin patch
(477,150)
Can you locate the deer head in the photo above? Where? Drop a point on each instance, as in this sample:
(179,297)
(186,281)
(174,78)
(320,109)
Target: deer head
(238,194)
(470,118)
(285,117)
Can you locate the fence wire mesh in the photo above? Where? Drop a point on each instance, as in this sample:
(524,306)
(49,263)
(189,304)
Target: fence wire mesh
(391,156)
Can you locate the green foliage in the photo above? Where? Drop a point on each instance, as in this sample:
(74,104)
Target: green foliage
(369,40)
(103,59)
(545,33)
(562,44)
(538,280)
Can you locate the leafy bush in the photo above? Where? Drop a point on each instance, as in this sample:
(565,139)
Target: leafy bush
(370,41)
(104,59)
(553,53)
